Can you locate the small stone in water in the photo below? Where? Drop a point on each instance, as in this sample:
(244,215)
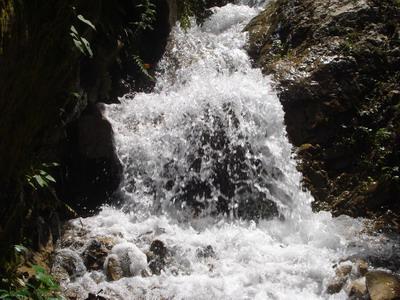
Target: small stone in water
(156,256)
(205,252)
(337,284)
(113,268)
(158,248)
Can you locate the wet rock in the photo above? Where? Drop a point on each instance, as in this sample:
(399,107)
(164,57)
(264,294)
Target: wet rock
(343,270)
(74,291)
(94,170)
(95,297)
(358,289)
(205,252)
(326,64)
(383,286)
(157,257)
(67,265)
(361,267)
(96,252)
(98,276)
(255,205)
(158,248)
(132,260)
(113,268)
(305,148)
(335,286)
(225,174)
(342,274)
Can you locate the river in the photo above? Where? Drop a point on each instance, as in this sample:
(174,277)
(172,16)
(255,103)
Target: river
(210,173)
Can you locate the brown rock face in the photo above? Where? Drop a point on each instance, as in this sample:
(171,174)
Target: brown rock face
(337,67)
(383,286)
(114,269)
(358,288)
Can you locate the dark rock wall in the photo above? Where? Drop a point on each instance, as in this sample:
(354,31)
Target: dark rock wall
(337,68)
(50,104)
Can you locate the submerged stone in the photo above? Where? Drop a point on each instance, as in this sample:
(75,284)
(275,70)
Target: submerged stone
(206,252)
(157,257)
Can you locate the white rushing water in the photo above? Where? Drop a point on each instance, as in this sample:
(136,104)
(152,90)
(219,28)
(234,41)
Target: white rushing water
(208,93)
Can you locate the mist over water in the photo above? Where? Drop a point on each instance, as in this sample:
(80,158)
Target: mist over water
(211,111)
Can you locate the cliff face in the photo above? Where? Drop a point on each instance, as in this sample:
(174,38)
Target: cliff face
(59,60)
(337,68)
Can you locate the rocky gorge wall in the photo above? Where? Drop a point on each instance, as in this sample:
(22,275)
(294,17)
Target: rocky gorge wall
(336,66)
(59,62)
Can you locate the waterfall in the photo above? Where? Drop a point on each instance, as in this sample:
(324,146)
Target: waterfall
(210,174)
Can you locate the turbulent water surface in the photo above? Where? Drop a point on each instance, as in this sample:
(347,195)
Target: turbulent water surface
(210,173)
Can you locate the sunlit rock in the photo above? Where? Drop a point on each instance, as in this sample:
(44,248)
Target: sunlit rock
(383,285)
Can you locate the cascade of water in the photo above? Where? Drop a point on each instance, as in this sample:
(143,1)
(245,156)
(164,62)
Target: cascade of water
(204,155)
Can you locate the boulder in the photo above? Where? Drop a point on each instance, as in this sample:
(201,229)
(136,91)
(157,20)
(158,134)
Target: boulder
(113,268)
(383,286)
(67,266)
(96,252)
(358,289)
(338,282)
(132,260)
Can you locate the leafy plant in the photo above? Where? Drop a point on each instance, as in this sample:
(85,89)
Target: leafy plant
(138,61)
(382,136)
(186,13)
(41,286)
(147,17)
(40,177)
(81,43)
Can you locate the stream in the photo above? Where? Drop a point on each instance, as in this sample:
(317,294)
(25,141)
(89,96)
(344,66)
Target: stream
(211,193)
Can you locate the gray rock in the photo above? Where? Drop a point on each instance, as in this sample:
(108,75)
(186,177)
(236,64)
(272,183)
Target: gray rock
(67,265)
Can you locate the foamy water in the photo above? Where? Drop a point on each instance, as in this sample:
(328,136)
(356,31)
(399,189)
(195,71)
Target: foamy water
(204,74)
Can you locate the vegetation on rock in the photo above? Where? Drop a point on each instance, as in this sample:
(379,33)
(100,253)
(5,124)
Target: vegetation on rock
(337,66)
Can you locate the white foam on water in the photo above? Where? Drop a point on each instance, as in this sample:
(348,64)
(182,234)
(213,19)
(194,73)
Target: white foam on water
(205,69)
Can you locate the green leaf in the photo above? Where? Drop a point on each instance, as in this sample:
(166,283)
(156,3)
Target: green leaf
(40,181)
(43,172)
(20,249)
(73,30)
(75,95)
(79,45)
(50,178)
(87,46)
(140,64)
(86,21)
